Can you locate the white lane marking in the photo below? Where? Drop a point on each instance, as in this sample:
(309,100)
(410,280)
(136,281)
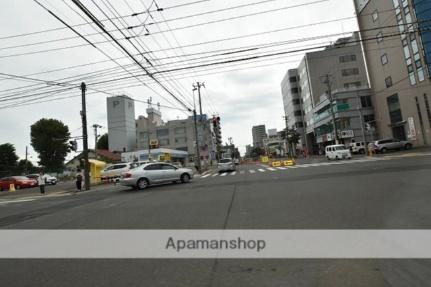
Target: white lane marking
(215,174)
(17,201)
(271,169)
(206,175)
(252,171)
(223,174)
(261,170)
(242,172)
(296,166)
(281,168)
(233,173)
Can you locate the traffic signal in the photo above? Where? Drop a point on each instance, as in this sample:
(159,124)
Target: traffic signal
(73,145)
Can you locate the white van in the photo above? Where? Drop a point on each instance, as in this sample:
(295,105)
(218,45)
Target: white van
(337,152)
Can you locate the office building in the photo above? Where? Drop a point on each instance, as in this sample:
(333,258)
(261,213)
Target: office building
(121,124)
(259,134)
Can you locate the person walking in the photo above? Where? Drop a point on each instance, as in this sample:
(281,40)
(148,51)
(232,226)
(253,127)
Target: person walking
(41,181)
(79,181)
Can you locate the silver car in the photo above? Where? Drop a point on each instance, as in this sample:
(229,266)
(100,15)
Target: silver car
(155,173)
(382,146)
(226,164)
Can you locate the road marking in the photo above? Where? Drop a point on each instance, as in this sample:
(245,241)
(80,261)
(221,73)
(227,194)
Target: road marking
(296,166)
(271,169)
(17,200)
(233,173)
(215,174)
(252,171)
(223,174)
(206,175)
(281,168)
(261,170)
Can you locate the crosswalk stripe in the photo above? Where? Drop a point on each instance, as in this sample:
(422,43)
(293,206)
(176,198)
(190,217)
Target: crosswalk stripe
(233,173)
(215,174)
(223,174)
(281,168)
(252,171)
(271,169)
(261,170)
(206,175)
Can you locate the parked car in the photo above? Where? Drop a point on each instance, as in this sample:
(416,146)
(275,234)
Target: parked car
(226,164)
(115,171)
(382,146)
(48,178)
(154,173)
(358,147)
(337,152)
(18,181)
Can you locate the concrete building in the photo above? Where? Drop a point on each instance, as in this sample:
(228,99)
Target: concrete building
(352,110)
(292,103)
(397,47)
(175,135)
(343,62)
(121,123)
(272,132)
(259,134)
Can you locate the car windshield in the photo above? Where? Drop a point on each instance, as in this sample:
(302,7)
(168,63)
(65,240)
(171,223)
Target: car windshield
(340,148)
(225,160)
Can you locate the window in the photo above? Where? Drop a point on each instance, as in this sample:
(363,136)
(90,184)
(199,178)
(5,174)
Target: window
(421,74)
(352,85)
(179,131)
(412,78)
(163,142)
(163,132)
(350,72)
(388,82)
(299,125)
(180,140)
(293,79)
(155,166)
(347,58)
(410,68)
(296,101)
(369,118)
(168,167)
(297,113)
(415,48)
(384,59)
(396,3)
(366,102)
(294,90)
(394,109)
(406,52)
(375,16)
(379,37)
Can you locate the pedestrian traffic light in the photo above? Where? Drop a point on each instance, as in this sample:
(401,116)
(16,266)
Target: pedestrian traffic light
(73,145)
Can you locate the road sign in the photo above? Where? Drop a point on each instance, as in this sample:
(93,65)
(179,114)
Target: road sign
(276,163)
(264,159)
(289,162)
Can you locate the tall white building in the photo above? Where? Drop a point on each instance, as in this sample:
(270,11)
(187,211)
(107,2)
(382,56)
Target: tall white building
(121,123)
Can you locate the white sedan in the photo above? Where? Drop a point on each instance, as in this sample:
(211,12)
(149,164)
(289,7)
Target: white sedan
(155,173)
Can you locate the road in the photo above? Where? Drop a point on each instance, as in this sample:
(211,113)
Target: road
(391,192)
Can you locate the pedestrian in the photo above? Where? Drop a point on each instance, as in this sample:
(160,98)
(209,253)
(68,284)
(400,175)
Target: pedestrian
(78,181)
(41,182)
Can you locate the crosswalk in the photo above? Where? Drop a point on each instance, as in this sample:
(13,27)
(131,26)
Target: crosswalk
(263,169)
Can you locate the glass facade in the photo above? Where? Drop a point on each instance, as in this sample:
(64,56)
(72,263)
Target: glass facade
(423,15)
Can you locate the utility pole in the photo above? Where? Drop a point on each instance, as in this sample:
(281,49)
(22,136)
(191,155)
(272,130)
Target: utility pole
(198,87)
(26,164)
(96,136)
(198,157)
(328,83)
(286,141)
(85,137)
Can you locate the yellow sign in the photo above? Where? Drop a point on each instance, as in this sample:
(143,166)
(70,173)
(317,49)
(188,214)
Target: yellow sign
(289,162)
(167,157)
(276,163)
(264,159)
(154,143)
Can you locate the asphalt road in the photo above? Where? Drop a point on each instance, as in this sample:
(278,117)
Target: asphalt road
(383,193)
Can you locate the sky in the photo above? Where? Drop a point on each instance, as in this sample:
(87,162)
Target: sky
(242,93)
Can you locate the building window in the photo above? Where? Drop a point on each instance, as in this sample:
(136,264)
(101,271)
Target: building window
(394,109)
(163,132)
(366,102)
(375,16)
(406,52)
(415,47)
(294,90)
(293,79)
(388,82)
(412,78)
(347,58)
(384,59)
(352,85)
(369,119)
(379,37)
(396,3)
(163,142)
(180,131)
(180,140)
(299,125)
(350,72)
(421,74)
(296,101)
(297,113)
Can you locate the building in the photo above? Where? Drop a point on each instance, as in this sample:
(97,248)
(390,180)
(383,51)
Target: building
(259,134)
(248,149)
(352,110)
(121,123)
(397,47)
(342,66)
(272,132)
(175,135)
(158,154)
(292,103)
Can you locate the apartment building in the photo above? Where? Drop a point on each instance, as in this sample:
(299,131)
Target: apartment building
(259,134)
(397,45)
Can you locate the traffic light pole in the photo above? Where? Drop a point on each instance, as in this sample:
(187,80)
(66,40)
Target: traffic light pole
(85,137)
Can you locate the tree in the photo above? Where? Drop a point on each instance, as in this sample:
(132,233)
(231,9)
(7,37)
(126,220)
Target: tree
(292,138)
(24,167)
(49,137)
(256,152)
(8,159)
(103,143)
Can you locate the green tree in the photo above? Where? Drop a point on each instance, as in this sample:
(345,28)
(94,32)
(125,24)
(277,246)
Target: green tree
(292,138)
(256,152)
(103,143)
(8,159)
(49,137)
(24,167)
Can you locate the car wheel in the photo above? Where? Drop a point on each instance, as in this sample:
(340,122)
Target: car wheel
(407,146)
(185,178)
(142,183)
(383,150)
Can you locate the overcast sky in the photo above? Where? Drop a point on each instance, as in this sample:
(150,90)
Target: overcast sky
(242,98)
